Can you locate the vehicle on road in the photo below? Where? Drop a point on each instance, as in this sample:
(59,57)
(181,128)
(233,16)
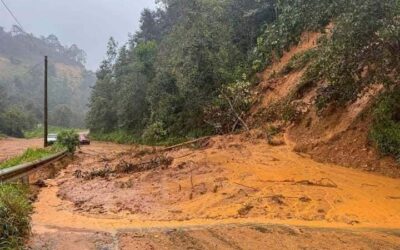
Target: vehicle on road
(84,140)
(51,139)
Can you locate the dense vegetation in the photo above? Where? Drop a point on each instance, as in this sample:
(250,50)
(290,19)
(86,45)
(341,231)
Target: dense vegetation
(160,84)
(21,82)
(15,211)
(190,68)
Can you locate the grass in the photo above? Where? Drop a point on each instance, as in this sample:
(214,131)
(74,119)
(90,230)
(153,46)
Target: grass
(38,132)
(123,137)
(15,211)
(29,155)
(385,132)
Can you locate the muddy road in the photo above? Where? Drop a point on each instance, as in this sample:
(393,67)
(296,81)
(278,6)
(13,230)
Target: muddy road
(233,192)
(10,147)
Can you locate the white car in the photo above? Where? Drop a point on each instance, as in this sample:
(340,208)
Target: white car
(51,139)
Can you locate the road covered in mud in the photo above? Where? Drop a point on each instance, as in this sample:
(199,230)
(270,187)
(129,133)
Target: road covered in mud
(231,192)
(10,147)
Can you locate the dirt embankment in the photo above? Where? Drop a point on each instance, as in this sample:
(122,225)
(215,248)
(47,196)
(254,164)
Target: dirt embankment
(214,193)
(338,135)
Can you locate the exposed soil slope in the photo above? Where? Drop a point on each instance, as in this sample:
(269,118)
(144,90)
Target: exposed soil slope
(338,135)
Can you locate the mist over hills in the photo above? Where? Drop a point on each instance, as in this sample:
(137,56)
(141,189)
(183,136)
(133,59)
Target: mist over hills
(21,82)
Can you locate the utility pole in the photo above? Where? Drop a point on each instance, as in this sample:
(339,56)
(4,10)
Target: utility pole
(45,103)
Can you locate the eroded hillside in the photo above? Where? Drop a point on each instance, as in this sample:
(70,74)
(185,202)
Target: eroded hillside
(338,133)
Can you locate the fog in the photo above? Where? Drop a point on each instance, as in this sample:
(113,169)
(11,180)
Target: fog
(87,23)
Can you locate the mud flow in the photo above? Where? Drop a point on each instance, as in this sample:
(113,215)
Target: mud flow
(10,147)
(232,192)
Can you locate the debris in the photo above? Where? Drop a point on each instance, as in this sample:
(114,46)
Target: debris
(158,161)
(394,197)
(278,199)
(245,209)
(185,144)
(324,182)
(255,189)
(103,173)
(304,199)
(40,183)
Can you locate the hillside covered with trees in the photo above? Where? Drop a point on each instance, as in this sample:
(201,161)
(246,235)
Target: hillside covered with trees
(21,82)
(196,68)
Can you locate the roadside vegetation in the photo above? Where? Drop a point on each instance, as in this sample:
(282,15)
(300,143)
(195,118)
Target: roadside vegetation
(30,155)
(154,90)
(15,207)
(38,131)
(123,137)
(385,132)
(66,140)
(15,211)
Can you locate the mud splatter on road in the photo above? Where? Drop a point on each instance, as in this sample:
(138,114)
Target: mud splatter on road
(10,147)
(214,194)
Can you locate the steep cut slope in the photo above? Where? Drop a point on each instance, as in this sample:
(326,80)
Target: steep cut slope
(337,134)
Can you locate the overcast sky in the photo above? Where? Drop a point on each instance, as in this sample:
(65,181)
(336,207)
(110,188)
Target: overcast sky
(87,23)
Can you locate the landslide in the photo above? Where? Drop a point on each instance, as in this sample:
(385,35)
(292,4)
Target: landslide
(222,180)
(339,134)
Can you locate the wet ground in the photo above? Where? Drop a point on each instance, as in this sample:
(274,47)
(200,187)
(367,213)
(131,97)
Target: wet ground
(10,147)
(232,192)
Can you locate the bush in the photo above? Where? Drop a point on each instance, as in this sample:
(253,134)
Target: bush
(68,139)
(119,136)
(15,211)
(154,133)
(299,61)
(227,112)
(385,132)
(284,110)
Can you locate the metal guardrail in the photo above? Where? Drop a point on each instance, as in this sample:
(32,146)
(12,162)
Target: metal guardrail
(24,170)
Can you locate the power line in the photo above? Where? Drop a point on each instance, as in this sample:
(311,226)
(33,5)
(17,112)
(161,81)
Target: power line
(13,16)
(22,28)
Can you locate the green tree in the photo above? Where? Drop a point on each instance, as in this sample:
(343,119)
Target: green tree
(102,115)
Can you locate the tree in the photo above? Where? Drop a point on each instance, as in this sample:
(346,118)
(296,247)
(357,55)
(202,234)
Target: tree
(102,115)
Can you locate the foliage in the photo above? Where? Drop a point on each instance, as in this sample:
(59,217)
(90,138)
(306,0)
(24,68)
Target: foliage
(29,155)
(154,133)
(68,139)
(123,137)
(21,82)
(14,121)
(283,110)
(299,61)
(292,18)
(151,81)
(385,132)
(181,73)
(38,131)
(118,136)
(227,112)
(15,211)
(357,52)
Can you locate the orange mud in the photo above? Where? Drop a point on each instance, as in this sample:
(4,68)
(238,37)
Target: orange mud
(10,147)
(233,180)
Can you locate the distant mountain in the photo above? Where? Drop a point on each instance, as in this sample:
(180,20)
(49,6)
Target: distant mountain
(21,82)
